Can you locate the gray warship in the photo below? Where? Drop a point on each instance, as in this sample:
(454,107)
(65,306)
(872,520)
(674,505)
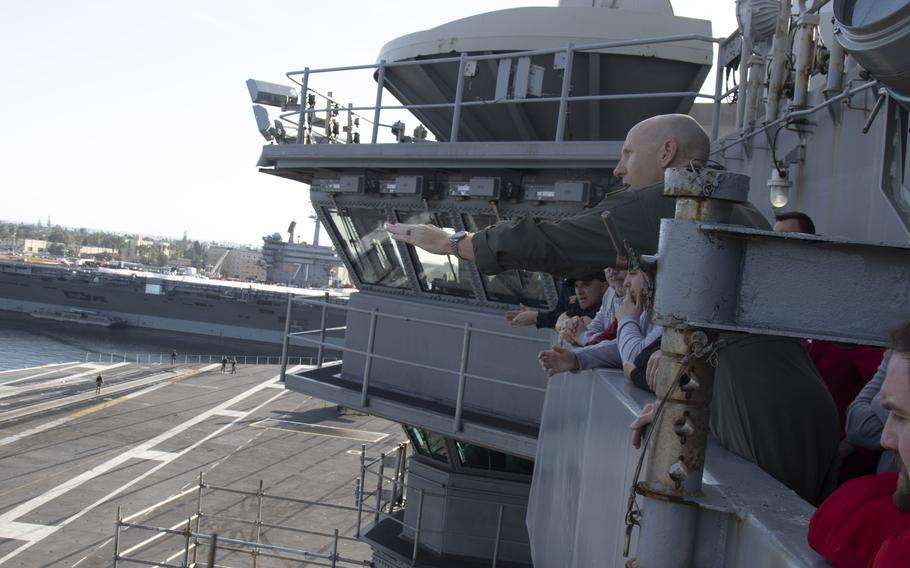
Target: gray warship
(185,304)
(528,108)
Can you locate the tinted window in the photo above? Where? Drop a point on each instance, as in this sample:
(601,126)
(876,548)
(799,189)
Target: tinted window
(439,274)
(511,286)
(368,246)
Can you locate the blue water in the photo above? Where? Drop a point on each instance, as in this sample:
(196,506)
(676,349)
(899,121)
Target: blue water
(27,342)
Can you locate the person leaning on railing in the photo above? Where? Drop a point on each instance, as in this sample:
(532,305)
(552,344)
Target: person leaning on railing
(770,406)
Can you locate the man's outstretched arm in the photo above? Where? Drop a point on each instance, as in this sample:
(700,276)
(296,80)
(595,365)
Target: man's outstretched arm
(432,239)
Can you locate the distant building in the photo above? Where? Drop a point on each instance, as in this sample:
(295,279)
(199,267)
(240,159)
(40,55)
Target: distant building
(91,251)
(33,246)
(240,263)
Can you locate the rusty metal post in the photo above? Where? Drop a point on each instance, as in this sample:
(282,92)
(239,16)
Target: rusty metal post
(186,542)
(676,456)
(198,516)
(359,490)
(258,522)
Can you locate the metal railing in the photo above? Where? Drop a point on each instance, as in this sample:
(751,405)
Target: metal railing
(193,536)
(464,59)
(384,510)
(468,331)
(192,359)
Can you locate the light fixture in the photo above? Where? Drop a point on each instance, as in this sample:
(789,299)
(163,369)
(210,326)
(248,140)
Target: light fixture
(779,187)
(272,94)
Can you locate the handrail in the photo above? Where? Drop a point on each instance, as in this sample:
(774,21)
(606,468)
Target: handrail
(463,59)
(162,358)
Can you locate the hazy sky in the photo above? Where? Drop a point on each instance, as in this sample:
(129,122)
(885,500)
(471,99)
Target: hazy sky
(134,116)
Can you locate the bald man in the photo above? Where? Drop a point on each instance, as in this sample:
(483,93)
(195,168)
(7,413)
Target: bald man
(769,406)
(580,244)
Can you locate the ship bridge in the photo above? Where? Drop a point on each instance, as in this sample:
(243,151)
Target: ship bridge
(520,115)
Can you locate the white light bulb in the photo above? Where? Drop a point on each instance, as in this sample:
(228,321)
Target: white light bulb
(780,195)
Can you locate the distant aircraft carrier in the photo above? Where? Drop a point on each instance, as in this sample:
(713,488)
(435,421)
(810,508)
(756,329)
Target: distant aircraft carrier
(240,310)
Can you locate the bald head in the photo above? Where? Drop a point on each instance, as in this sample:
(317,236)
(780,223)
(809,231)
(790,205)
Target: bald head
(658,143)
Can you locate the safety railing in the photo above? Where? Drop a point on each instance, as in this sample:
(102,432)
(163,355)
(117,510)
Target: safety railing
(193,358)
(385,509)
(464,59)
(468,331)
(193,537)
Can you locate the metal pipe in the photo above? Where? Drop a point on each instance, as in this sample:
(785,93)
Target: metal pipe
(320,353)
(459,92)
(836,59)
(498,536)
(395,485)
(756,65)
(379,488)
(796,114)
(363,467)
(744,55)
(335,549)
(284,339)
(212,546)
(198,515)
(117,537)
(302,100)
(380,80)
(462,377)
(529,53)
(368,364)
(186,541)
(417,529)
(258,521)
(718,85)
(778,61)
(882,95)
(564,94)
(805,56)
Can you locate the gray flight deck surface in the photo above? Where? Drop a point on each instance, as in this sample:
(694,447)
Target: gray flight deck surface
(69,458)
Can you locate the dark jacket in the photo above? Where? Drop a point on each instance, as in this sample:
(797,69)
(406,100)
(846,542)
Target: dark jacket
(580,244)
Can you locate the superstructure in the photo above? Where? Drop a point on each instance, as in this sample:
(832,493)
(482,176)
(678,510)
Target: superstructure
(528,108)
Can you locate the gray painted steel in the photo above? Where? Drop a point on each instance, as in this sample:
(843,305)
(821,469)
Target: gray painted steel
(746,518)
(766,277)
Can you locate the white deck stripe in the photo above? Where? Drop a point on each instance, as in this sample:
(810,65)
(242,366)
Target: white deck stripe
(89,395)
(26,531)
(57,382)
(74,363)
(232,413)
(40,500)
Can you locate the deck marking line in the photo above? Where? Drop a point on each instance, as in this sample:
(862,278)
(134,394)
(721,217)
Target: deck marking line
(55,382)
(321,430)
(156,455)
(49,365)
(231,413)
(153,506)
(152,539)
(40,407)
(40,500)
(25,531)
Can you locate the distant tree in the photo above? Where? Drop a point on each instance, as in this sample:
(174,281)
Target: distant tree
(56,249)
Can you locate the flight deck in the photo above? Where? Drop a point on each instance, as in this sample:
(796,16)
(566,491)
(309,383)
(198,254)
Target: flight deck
(165,443)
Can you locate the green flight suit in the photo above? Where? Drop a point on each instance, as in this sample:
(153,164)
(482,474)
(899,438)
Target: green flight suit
(770,406)
(580,244)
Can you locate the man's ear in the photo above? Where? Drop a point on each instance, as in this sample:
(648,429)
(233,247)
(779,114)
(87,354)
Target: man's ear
(667,152)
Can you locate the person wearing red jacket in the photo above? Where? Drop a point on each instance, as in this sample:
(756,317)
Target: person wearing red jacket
(866,522)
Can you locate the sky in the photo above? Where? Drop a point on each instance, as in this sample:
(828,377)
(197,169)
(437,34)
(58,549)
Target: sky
(135,117)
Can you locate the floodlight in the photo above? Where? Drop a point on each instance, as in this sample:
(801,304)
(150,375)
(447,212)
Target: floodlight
(262,121)
(271,94)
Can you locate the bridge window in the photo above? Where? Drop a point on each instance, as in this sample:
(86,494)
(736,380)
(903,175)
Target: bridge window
(368,247)
(478,457)
(428,444)
(438,274)
(511,286)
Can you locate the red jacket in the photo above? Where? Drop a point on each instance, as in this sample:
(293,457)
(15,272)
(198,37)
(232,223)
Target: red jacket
(858,526)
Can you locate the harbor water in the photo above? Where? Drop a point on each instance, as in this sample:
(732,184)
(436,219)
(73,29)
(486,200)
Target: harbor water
(28,342)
